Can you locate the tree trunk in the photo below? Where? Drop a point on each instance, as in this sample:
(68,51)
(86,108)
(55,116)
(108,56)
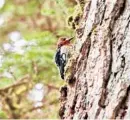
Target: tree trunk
(99,86)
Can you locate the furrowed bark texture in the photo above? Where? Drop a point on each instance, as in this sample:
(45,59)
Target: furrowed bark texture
(101,87)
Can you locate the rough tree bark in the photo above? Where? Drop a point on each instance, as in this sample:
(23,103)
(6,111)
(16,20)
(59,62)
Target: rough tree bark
(100,81)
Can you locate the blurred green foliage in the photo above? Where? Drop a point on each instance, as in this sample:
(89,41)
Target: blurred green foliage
(3,115)
(40,23)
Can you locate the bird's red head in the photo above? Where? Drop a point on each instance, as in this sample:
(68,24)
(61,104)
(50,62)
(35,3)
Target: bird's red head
(63,41)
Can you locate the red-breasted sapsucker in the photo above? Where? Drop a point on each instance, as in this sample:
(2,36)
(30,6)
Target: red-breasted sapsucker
(62,54)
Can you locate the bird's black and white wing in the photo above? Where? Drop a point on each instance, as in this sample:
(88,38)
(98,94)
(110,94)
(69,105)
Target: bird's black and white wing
(61,59)
(57,57)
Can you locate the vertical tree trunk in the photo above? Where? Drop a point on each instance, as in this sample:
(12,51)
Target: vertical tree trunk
(101,87)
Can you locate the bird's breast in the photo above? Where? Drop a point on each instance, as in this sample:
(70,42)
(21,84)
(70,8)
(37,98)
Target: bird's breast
(64,49)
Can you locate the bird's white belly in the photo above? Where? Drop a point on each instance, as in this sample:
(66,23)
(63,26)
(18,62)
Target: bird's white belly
(64,49)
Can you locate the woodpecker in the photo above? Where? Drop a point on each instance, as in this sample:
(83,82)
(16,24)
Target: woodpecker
(62,53)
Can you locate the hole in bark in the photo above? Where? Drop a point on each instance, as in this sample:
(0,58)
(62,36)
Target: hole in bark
(115,74)
(77,19)
(70,19)
(61,111)
(85,116)
(71,81)
(63,91)
(119,47)
(73,107)
(123,61)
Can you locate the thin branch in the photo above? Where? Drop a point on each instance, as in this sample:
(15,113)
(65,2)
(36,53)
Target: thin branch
(18,83)
(51,86)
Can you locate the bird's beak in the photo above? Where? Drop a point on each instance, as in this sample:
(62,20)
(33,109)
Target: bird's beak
(70,39)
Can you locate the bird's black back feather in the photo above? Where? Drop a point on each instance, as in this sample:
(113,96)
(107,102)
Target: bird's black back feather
(57,57)
(60,60)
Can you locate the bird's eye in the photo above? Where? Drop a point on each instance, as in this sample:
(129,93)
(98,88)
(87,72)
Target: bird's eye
(59,45)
